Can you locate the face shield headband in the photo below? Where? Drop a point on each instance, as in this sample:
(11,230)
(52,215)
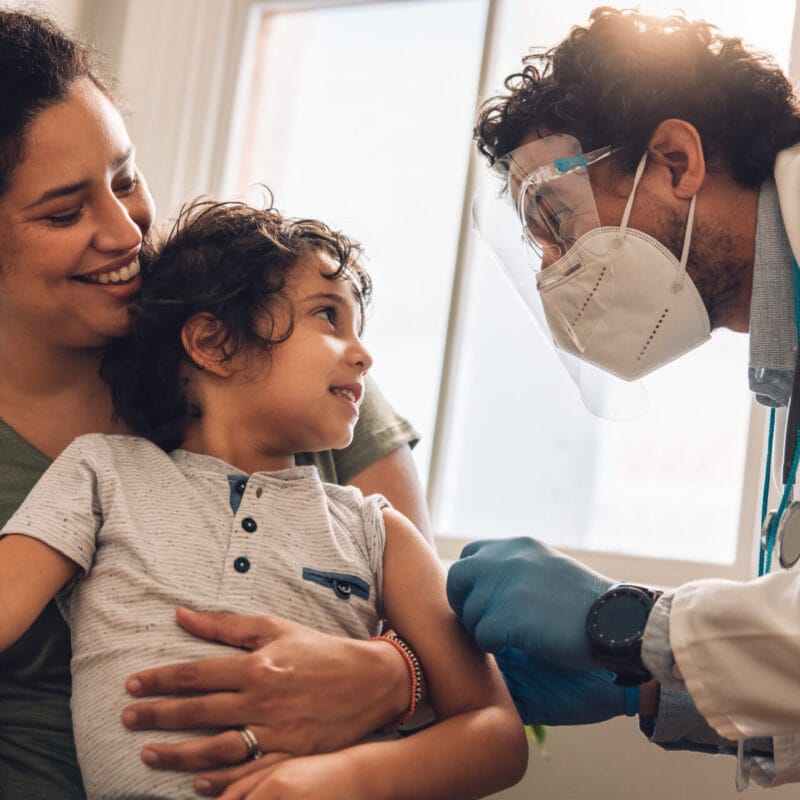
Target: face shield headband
(613,300)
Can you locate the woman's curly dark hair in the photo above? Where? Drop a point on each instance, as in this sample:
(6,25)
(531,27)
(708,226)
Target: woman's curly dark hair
(39,62)
(231,261)
(613,81)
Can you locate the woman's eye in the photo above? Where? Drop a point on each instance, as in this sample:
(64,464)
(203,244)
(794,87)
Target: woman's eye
(127,185)
(63,220)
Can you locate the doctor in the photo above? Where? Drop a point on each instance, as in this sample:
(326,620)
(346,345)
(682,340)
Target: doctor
(654,167)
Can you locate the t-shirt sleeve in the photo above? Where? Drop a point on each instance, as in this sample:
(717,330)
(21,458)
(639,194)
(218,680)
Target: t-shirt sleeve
(62,509)
(379,431)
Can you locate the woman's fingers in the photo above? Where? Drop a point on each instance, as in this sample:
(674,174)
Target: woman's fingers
(223,710)
(237,630)
(211,784)
(208,675)
(193,755)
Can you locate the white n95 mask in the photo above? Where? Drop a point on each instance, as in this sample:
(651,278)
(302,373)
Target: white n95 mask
(620,300)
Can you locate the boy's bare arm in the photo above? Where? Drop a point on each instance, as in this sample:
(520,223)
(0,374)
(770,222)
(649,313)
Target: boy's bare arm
(478,745)
(31,573)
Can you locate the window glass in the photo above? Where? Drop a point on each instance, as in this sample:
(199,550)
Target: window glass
(362,116)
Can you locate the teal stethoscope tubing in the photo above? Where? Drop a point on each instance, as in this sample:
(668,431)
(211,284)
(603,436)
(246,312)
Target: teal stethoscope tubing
(767,545)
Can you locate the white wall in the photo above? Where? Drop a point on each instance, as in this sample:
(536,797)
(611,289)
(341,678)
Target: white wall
(67,12)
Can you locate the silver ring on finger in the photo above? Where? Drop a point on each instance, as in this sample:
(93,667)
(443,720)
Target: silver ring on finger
(253,749)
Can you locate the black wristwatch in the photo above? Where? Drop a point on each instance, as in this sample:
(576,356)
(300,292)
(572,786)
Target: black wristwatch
(615,625)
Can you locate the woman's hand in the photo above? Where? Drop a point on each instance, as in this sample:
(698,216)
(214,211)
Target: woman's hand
(298,690)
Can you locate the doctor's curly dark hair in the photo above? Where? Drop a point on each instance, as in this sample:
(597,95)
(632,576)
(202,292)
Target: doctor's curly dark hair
(613,81)
(228,260)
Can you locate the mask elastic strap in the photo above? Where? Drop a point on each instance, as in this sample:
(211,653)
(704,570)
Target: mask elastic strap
(687,240)
(623,226)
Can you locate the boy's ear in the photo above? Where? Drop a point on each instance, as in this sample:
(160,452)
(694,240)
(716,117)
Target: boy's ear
(202,337)
(676,145)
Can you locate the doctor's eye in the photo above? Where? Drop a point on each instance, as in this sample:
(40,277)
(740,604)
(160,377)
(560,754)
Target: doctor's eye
(549,217)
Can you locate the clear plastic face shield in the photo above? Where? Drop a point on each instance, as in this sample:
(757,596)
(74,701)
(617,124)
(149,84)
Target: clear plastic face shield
(544,231)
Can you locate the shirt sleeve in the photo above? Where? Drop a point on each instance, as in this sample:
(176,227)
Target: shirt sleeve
(62,509)
(733,643)
(679,725)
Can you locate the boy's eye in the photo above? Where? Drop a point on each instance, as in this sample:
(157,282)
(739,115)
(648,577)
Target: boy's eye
(328,313)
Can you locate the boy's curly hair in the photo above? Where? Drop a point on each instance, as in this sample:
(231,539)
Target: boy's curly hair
(231,261)
(613,81)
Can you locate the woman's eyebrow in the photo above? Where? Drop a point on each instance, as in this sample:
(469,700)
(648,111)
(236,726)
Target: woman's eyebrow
(71,188)
(58,191)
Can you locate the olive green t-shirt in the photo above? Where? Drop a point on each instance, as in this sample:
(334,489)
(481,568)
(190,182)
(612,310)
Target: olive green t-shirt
(37,754)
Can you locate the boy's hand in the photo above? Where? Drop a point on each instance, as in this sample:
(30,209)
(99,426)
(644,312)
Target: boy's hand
(326,777)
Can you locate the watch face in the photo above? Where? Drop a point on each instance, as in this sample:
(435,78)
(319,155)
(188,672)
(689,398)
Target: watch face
(621,618)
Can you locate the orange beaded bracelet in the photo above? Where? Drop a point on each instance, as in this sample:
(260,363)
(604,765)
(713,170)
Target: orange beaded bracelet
(414,670)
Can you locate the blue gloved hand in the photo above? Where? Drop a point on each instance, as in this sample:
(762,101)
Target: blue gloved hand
(522,593)
(546,695)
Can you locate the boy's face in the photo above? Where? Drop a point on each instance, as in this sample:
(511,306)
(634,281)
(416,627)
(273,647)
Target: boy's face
(304,395)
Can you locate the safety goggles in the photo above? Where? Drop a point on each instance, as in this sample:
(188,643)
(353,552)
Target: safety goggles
(535,228)
(547,181)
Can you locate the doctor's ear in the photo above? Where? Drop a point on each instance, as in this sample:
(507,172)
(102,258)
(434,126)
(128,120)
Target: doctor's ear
(676,145)
(203,338)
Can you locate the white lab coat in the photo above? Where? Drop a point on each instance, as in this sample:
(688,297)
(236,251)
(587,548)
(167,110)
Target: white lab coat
(737,645)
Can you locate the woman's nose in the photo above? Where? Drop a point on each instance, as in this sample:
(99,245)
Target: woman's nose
(124,221)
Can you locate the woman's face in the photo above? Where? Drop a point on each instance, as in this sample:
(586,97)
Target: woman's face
(71,226)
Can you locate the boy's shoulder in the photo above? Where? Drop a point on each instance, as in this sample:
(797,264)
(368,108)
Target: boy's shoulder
(353,500)
(115,446)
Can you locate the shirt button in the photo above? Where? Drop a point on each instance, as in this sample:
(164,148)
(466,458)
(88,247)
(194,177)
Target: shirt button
(249,524)
(342,589)
(241,564)
(241,486)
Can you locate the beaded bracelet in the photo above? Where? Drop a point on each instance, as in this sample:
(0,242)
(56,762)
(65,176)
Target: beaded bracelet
(414,670)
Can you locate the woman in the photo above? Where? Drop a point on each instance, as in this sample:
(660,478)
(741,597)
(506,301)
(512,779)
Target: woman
(73,215)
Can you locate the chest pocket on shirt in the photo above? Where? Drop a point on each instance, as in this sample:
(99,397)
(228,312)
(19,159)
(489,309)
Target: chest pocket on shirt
(344,586)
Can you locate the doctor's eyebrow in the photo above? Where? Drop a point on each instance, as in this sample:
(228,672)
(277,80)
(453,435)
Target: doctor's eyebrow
(63,191)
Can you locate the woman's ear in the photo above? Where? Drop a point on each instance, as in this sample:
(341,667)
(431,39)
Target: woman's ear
(676,145)
(203,336)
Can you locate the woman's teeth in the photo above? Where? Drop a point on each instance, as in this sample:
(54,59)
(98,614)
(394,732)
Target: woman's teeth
(116,276)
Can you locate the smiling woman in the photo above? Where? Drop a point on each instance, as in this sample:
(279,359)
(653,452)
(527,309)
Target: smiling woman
(74,224)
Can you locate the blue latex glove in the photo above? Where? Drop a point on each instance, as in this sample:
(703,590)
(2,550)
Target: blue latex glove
(522,593)
(546,695)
